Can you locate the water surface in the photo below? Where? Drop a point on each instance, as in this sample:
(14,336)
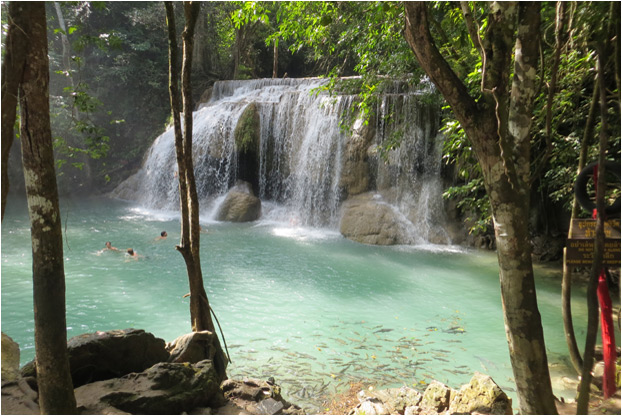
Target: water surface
(305,306)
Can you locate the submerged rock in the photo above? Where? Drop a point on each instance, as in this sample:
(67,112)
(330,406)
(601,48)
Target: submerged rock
(240,205)
(368,219)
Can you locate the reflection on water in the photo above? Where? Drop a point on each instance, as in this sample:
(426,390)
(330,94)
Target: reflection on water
(302,305)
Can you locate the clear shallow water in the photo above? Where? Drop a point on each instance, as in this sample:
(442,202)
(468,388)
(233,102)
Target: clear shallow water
(311,309)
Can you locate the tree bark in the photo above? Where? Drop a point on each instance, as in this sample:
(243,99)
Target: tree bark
(12,69)
(189,246)
(599,245)
(56,394)
(571,340)
(498,128)
(275,59)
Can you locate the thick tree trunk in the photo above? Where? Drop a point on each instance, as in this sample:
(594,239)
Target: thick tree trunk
(53,377)
(498,128)
(12,70)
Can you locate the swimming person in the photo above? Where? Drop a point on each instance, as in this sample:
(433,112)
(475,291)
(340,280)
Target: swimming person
(108,247)
(162,236)
(132,253)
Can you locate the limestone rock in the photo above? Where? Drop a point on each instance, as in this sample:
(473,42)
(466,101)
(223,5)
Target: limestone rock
(355,177)
(198,346)
(256,397)
(389,401)
(247,131)
(481,395)
(10,359)
(367,219)
(240,205)
(105,355)
(20,397)
(436,398)
(165,388)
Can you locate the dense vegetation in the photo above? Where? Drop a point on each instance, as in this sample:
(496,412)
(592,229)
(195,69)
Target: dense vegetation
(109,81)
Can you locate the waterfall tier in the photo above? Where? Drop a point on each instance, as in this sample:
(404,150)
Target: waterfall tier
(286,139)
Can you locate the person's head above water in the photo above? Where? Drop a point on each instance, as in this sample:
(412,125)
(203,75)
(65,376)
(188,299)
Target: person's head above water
(108,244)
(163,234)
(130,251)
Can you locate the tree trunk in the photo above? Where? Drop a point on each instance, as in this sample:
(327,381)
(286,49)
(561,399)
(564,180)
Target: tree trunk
(498,128)
(275,59)
(599,245)
(12,69)
(53,377)
(189,246)
(571,340)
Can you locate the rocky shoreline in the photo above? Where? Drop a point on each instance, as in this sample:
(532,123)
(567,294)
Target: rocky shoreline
(133,372)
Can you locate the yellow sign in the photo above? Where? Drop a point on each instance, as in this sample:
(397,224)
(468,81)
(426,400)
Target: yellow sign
(580,245)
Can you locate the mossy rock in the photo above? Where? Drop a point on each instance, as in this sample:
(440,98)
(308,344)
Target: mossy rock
(247,131)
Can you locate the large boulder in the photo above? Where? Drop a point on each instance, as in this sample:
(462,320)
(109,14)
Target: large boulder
(367,219)
(482,395)
(165,388)
(10,359)
(240,205)
(198,346)
(105,355)
(256,397)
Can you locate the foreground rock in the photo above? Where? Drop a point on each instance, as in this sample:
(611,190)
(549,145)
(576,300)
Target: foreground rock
(480,396)
(257,397)
(185,378)
(198,346)
(165,388)
(240,205)
(110,354)
(10,359)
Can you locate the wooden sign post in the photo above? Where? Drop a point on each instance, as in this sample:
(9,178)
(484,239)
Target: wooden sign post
(580,244)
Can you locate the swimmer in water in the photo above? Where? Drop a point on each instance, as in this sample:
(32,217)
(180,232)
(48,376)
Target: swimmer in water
(162,236)
(132,253)
(108,247)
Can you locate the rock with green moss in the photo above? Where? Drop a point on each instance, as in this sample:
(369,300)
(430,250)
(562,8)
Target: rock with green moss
(165,388)
(248,130)
(482,396)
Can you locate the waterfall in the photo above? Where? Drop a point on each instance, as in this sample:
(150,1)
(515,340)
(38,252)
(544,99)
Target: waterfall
(306,163)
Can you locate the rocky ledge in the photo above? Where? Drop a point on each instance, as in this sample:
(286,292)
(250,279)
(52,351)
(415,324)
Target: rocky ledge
(480,396)
(133,372)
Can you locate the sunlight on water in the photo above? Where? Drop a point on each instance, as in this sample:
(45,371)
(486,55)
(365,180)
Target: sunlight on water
(303,305)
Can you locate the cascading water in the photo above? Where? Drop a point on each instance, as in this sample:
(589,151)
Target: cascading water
(302,155)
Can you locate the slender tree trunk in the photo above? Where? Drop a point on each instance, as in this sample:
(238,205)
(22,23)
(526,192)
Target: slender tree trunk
(571,340)
(12,69)
(275,59)
(189,246)
(53,377)
(599,245)
(498,128)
